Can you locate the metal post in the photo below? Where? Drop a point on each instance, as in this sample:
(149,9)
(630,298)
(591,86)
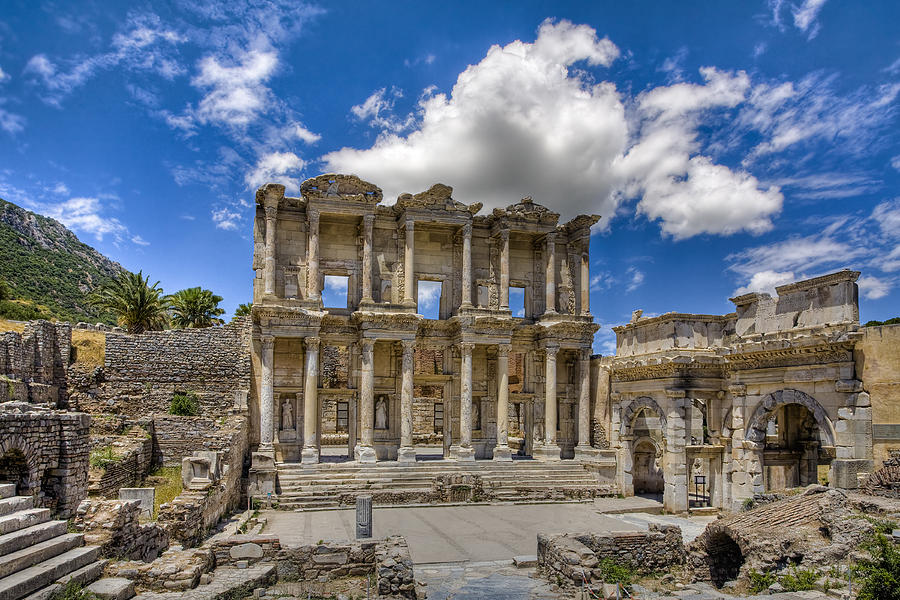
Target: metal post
(363,517)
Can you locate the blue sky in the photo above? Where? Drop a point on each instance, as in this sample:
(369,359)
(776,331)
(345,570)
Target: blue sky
(727,146)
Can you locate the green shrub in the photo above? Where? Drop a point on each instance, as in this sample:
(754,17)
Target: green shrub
(760,582)
(73,591)
(747,504)
(185,404)
(103,457)
(880,574)
(615,572)
(799,580)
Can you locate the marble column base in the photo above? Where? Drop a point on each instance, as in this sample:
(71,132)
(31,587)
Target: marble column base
(309,456)
(465,454)
(547,452)
(406,454)
(502,454)
(268,449)
(365,454)
(586,453)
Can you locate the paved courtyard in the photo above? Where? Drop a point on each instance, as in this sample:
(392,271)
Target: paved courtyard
(472,533)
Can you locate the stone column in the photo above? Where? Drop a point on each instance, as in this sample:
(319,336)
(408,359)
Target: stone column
(584,404)
(549,450)
(269,272)
(467,267)
(466,451)
(310,452)
(585,280)
(501,450)
(504,269)
(312,260)
(368,222)
(551,274)
(366,448)
(267,395)
(407,451)
(408,264)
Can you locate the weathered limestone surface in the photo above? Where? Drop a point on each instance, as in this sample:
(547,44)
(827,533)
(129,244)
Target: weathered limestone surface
(133,446)
(114,526)
(877,357)
(34,363)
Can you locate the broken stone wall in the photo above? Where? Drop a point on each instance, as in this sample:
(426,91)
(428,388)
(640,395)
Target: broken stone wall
(114,526)
(877,358)
(142,372)
(33,364)
(191,515)
(177,437)
(132,445)
(56,449)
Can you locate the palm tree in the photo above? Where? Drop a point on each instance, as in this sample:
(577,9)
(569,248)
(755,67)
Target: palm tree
(137,305)
(195,307)
(243,309)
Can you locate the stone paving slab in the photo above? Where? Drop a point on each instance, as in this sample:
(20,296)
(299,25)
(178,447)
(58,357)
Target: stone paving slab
(228,582)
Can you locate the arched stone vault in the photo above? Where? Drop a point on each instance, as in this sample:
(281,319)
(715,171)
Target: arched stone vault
(756,427)
(635,407)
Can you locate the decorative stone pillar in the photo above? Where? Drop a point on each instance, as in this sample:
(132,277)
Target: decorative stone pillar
(466,451)
(366,448)
(407,451)
(409,264)
(504,269)
(584,405)
(310,452)
(312,261)
(549,450)
(269,271)
(585,280)
(267,395)
(467,266)
(501,450)
(675,467)
(368,222)
(551,275)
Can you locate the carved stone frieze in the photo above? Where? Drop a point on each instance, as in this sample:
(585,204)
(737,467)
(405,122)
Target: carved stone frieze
(527,210)
(341,187)
(437,197)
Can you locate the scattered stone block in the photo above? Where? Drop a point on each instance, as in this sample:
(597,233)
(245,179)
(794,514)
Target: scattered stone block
(145,496)
(112,588)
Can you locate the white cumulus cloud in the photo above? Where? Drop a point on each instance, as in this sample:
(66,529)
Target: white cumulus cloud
(872,287)
(281,167)
(235,94)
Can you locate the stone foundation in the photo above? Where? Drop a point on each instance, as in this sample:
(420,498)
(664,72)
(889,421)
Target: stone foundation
(133,446)
(114,526)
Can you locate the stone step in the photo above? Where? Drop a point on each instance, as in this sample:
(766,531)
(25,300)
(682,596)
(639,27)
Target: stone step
(112,588)
(23,518)
(83,576)
(21,584)
(14,504)
(29,536)
(32,555)
(7,490)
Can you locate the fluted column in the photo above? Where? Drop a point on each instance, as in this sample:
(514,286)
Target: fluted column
(504,269)
(467,266)
(408,264)
(366,449)
(407,451)
(585,280)
(312,261)
(549,450)
(502,451)
(269,270)
(584,400)
(466,451)
(267,395)
(310,452)
(368,221)
(551,274)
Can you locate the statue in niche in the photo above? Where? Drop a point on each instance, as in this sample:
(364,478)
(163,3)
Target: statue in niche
(287,416)
(381,413)
(476,415)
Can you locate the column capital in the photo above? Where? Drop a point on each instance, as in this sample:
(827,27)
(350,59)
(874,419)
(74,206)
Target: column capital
(312,342)
(368,220)
(313,216)
(271,211)
(408,345)
(267,342)
(466,347)
(503,349)
(409,224)
(551,351)
(466,230)
(586,353)
(550,237)
(504,234)
(367,344)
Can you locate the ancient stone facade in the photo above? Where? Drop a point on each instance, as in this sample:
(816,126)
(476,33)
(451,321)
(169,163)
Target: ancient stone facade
(383,254)
(33,364)
(877,356)
(708,410)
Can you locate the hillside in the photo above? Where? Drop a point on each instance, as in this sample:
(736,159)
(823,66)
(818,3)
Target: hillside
(48,270)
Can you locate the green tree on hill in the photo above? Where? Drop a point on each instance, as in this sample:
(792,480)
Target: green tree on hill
(5,293)
(137,305)
(243,310)
(195,307)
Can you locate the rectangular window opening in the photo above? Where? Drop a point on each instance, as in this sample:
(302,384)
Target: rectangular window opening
(517,301)
(429,301)
(343,417)
(336,291)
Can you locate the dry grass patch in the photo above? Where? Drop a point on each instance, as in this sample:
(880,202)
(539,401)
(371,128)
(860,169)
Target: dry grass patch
(89,347)
(17,326)
(167,482)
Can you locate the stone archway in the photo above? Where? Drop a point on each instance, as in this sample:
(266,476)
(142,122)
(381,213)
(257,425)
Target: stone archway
(19,465)
(642,453)
(634,409)
(647,473)
(786,433)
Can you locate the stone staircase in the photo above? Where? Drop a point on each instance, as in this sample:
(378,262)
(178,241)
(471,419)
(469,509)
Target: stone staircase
(36,553)
(330,485)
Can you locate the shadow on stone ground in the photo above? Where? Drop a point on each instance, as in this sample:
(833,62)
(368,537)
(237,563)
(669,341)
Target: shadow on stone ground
(476,581)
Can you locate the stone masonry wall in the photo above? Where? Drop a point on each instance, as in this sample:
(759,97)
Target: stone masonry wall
(143,372)
(135,457)
(56,447)
(192,514)
(38,358)
(877,357)
(177,437)
(113,525)
(574,558)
